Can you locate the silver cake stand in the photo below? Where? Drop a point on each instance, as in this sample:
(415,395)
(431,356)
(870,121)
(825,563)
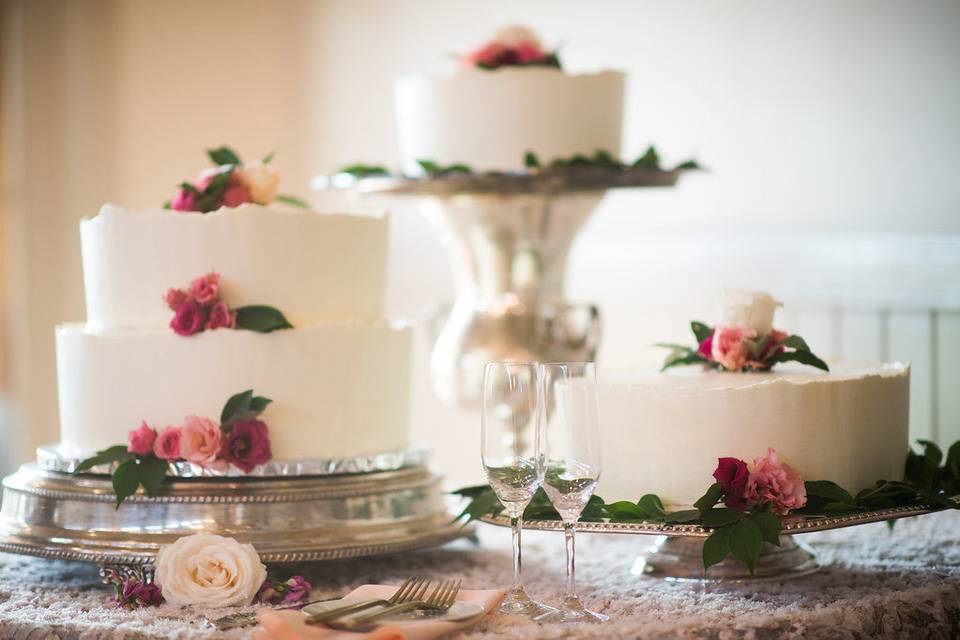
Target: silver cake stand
(676,552)
(290,517)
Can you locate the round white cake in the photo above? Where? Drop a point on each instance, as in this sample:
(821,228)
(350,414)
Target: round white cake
(488,119)
(339,380)
(663,432)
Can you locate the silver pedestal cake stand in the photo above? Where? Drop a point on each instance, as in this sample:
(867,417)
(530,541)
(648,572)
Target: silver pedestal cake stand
(343,509)
(676,551)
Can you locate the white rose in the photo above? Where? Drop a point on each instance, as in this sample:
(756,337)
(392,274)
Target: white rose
(748,310)
(262,180)
(209,570)
(513,37)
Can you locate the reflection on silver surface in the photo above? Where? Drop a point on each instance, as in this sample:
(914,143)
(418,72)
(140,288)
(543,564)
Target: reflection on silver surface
(50,458)
(57,515)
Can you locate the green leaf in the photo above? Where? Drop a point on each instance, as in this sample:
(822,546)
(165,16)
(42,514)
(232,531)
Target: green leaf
(117,453)
(769,525)
(530,160)
(267,159)
(293,201)
(674,346)
(717,547)
(710,498)
(649,160)
(473,491)
(682,517)
(625,511)
(953,459)
(721,517)
(364,170)
(223,155)
(153,471)
(932,455)
(803,357)
(125,480)
(701,331)
(795,342)
(652,506)
(189,188)
(689,165)
(829,490)
(237,405)
(680,359)
(429,166)
(213,194)
(746,541)
(258,404)
(261,318)
(480,504)
(167,205)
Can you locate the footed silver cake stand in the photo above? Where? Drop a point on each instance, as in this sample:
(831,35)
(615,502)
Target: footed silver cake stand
(676,551)
(290,517)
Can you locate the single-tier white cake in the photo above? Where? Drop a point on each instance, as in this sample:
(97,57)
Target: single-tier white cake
(488,119)
(663,432)
(339,380)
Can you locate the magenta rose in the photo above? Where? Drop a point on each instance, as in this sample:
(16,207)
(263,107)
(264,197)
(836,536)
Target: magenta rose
(529,52)
(732,474)
(134,594)
(141,440)
(206,289)
(200,441)
(775,482)
(247,445)
(297,589)
(184,201)
(175,297)
(189,319)
(706,347)
(729,346)
(167,444)
(221,317)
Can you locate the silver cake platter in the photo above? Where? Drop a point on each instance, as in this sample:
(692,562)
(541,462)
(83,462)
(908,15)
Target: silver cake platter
(676,552)
(53,514)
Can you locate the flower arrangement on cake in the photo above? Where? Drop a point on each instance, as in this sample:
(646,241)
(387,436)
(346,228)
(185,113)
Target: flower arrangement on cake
(744,340)
(240,439)
(200,307)
(511,47)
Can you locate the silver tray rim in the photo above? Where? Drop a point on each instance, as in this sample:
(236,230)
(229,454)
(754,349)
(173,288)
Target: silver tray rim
(51,458)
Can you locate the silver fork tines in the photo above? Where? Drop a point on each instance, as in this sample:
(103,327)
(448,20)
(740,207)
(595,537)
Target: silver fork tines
(404,593)
(442,598)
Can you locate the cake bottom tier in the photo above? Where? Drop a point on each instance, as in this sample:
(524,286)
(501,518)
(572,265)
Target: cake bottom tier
(338,390)
(663,433)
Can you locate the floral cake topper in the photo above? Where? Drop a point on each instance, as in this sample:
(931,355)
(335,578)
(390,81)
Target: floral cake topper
(744,340)
(230,183)
(200,307)
(511,47)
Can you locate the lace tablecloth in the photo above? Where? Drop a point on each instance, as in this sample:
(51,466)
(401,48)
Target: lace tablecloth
(903,583)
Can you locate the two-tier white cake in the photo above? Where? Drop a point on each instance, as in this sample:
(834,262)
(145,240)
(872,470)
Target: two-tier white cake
(339,380)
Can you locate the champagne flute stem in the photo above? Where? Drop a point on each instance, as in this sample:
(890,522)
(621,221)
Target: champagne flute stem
(569,535)
(516,525)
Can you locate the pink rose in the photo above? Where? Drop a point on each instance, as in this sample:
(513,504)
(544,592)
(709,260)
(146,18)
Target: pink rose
(777,483)
(141,440)
(221,317)
(175,297)
(200,441)
(729,346)
(167,444)
(529,52)
(246,445)
(235,195)
(189,319)
(489,55)
(184,201)
(206,289)
(133,594)
(732,474)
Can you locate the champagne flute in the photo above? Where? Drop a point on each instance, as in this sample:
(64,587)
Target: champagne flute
(571,443)
(512,457)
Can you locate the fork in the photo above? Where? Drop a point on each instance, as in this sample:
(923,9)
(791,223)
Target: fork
(441,599)
(406,592)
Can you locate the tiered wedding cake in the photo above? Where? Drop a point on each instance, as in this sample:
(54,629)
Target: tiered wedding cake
(338,380)
(510,97)
(664,432)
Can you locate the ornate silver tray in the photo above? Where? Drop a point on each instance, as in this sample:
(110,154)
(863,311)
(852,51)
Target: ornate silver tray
(676,552)
(57,515)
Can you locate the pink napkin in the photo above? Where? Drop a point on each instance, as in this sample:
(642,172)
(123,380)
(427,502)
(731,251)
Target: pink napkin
(291,625)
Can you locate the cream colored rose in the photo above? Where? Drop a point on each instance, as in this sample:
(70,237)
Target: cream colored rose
(513,36)
(748,310)
(209,570)
(262,180)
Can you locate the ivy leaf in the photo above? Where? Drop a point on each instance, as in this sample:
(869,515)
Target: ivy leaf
(746,541)
(715,518)
(652,506)
(625,511)
(224,155)
(717,547)
(109,455)
(261,318)
(153,471)
(710,498)
(701,331)
(828,490)
(682,517)
(649,160)
(803,357)
(530,160)
(293,201)
(769,525)
(125,480)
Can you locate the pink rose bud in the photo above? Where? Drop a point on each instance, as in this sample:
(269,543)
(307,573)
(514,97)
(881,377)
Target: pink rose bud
(184,201)
(221,317)
(732,474)
(141,440)
(529,52)
(167,444)
(777,483)
(247,445)
(189,319)
(175,297)
(200,441)
(206,289)
(729,346)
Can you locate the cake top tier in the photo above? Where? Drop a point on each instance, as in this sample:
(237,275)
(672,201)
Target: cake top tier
(316,267)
